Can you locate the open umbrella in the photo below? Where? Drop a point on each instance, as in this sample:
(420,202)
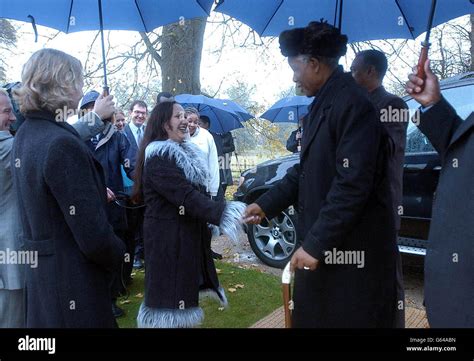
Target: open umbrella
(78,15)
(289,109)
(236,108)
(225,115)
(360,20)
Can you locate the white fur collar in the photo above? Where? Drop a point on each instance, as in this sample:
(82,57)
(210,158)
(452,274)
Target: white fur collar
(187,156)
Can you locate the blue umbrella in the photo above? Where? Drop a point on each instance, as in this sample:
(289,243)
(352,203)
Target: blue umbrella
(225,115)
(236,108)
(289,109)
(360,20)
(77,15)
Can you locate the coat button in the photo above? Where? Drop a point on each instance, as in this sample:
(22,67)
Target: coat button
(302,175)
(301,208)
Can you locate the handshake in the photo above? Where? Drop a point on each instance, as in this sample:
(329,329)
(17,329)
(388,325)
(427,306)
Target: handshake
(253,214)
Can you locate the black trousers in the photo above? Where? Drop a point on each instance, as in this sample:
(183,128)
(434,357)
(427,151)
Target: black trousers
(117,285)
(135,236)
(221,192)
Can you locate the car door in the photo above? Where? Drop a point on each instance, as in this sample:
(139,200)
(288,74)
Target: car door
(420,178)
(422,166)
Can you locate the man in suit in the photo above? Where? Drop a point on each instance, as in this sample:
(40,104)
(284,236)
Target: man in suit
(341,191)
(368,69)
(134,131)
(449,264)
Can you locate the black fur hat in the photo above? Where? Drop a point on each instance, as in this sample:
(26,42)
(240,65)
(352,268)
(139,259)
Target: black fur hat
(316,39)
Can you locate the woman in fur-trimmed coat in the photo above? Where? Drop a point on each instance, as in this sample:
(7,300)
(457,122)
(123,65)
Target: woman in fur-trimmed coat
(172,178)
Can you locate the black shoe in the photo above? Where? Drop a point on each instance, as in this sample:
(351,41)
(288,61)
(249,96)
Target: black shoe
(117,311)
(215,255)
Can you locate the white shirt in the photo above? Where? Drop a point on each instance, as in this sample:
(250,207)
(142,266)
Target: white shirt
(205,141)
(134,130)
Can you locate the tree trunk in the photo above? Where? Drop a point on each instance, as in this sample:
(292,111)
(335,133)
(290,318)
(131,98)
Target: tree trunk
(8,39)
(181,56)
(472,42)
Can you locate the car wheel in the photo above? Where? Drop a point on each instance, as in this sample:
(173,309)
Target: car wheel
(274,241)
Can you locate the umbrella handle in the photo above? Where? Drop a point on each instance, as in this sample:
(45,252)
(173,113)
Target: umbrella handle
(105,93)
(420,73)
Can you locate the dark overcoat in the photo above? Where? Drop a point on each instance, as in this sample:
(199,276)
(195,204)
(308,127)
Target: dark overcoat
(449,261)
(177,239)
(387,105)
(62,199)
(112,153)
(344,205)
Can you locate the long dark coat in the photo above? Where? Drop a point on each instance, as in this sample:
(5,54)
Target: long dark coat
(111,154)
(62,200)
(449,262)
(397,132)
(344,203)
(177,239)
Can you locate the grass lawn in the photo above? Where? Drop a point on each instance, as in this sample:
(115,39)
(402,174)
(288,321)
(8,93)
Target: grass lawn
(252,295)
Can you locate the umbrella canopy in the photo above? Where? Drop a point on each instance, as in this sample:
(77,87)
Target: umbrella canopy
(223,114)
(78,15)
(236,108)
(360,20)
(289,109)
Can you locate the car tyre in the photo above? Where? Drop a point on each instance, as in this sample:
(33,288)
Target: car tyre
(274,241)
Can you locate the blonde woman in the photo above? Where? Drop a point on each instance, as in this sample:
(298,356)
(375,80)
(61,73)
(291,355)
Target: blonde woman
(62,199)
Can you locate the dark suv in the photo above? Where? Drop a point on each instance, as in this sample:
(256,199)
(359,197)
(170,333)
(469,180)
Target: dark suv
(273,241)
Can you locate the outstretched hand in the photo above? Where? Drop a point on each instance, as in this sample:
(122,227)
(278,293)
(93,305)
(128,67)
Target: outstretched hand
(253,214)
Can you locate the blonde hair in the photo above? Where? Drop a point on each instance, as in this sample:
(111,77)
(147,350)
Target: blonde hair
(50,81)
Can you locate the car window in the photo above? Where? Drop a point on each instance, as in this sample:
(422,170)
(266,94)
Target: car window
(417,142)
(461,98)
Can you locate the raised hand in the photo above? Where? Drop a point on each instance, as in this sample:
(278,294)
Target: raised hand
(426,92)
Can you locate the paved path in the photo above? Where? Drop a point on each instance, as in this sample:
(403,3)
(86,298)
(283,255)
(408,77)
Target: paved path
(414,318)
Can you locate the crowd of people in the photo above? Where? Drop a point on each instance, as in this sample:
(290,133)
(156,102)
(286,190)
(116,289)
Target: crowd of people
(96,194)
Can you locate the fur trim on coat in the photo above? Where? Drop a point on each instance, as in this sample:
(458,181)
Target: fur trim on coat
(168,318)
(188,157)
